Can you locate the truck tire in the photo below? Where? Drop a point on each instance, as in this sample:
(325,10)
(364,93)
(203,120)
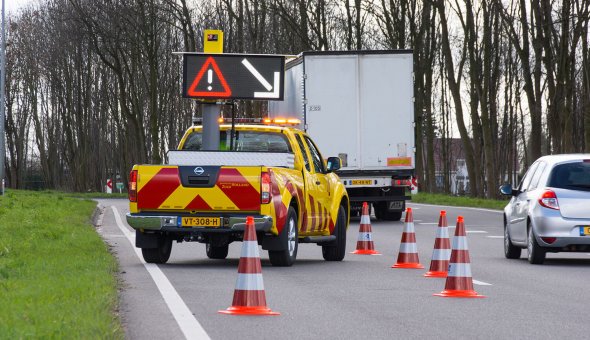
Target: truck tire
(218,253)
(161,254)
(382,213)
(337,250)
(290,241)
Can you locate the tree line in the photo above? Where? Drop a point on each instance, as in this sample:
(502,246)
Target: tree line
(92,86)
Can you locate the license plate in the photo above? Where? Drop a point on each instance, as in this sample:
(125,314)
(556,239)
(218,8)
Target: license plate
(585,230)
(362,181)
(397,205)
(211,222)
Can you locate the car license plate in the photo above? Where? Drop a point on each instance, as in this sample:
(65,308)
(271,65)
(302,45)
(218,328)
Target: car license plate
(210,222)
(396,205)
(585,230)
(362,182)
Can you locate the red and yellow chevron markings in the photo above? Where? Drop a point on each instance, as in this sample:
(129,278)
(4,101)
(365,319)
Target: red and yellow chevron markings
(236,189)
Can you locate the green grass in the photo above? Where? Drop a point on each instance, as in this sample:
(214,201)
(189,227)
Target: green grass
(462,201)
(57,277)
(88,195)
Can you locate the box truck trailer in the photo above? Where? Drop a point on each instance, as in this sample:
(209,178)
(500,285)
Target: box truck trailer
(358,105)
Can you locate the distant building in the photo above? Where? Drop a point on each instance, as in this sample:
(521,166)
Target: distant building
(451,168)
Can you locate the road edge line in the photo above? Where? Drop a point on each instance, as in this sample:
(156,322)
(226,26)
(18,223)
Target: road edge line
(458,207)
(189,325)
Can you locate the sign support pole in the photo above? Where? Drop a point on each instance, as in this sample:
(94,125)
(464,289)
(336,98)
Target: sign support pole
(212,43)
(211,131)
(2,102)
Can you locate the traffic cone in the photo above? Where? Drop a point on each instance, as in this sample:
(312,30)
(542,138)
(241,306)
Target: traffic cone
(364,243)
(408,250)
(459,281)
(249,296)
(442,249)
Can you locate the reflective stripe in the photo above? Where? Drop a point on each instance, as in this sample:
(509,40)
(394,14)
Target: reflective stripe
(442,233)
(408,248)
(460,270)
(441,254)
(365,219)
(249,282)
(460,242)
(365,237)
(409,228)
(250,249)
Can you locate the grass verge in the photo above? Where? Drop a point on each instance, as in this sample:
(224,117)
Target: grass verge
(88,195)
(57,277)
(462,201)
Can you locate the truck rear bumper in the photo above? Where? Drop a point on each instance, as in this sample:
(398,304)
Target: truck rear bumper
(169,222)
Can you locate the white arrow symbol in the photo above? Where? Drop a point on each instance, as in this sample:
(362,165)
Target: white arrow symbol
(277,80)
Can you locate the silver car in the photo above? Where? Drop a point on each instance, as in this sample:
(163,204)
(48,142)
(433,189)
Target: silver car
(550,209)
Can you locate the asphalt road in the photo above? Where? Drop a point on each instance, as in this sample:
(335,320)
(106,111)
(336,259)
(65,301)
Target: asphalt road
(361,297)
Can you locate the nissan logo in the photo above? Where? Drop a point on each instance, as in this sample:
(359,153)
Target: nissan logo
(199,171)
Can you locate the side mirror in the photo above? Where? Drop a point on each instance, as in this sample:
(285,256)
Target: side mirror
(506,189)
(334,163)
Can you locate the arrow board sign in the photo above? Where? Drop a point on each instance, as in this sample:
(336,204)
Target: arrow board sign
(233,76)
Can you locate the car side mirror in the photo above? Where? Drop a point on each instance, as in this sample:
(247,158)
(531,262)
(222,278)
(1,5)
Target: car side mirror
(334,163)
(506,189)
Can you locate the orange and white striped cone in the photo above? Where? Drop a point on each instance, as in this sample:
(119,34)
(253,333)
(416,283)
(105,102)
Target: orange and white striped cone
(249,296)
(459,281)
(408,249)
(439,264)
(364,243)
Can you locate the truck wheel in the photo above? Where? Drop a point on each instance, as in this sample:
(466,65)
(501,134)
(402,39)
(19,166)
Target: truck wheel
(289,239)
(382,213)
(161,254)
(218,253)
(336,251)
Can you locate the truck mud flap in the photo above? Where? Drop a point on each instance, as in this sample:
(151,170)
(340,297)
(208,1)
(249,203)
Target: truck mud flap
(148,241)
(273,243)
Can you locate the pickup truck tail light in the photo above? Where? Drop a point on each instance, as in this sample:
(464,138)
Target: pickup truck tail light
(549,200)
(133,186)
(265,188)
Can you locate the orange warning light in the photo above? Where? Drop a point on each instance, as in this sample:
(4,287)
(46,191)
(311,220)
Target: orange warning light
(282,121)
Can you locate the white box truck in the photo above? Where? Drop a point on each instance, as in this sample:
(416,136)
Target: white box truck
(358,105)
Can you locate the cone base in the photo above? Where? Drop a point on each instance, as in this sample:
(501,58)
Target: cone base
(239,310)
(459,294)
(408,266)
(435,274)
(366,252)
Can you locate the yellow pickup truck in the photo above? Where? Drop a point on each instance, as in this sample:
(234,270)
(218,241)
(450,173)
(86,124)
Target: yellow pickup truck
(273,173)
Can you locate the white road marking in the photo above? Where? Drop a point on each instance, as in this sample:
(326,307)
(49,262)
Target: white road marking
(476,232)
(500,237)
(430,223)
(480,283)
(190,327)
(457,207)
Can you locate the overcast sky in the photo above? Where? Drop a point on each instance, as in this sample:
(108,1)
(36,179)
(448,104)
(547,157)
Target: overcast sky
(13,5)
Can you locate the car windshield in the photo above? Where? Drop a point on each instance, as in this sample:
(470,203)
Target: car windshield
(253,141)
(574,176)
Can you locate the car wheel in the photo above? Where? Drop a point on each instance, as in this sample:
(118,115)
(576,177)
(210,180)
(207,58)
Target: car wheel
(536,252)
(382,213)
(337,250)
(510,250)
(218,253)
(290,240)
(161,254)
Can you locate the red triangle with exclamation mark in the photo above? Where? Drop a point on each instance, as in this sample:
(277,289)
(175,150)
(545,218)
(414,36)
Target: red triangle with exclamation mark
(192,90)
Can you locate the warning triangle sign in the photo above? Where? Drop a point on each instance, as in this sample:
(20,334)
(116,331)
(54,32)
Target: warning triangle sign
(210,67)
